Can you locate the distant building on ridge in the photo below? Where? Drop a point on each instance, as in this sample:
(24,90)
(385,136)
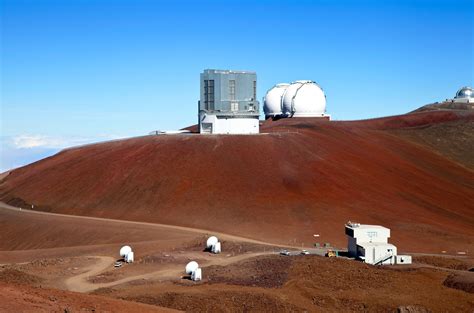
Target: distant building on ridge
(465,94)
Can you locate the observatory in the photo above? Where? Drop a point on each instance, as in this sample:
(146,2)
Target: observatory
(369,243)
(213,245)
(465,94)
(302,98)
(127,254)
(193,269)
(272,100)
(228,102)
(124,251)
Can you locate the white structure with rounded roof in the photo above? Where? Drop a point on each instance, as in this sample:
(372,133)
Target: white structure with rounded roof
(272,100)
(191,267)
(304,98)
(211,241)
(465,94)
(124,251)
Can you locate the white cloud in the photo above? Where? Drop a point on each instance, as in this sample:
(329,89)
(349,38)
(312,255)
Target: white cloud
(50,142)
(34,141)
(20,150)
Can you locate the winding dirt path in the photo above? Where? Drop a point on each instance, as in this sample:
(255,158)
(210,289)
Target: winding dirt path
(80,283)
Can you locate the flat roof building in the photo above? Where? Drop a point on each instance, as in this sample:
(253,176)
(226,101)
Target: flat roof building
(369,243)
(228,102)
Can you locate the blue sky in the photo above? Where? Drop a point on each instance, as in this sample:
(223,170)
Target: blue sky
(80,71)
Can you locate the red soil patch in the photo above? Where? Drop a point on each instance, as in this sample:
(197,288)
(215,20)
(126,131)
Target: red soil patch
(446,105)
(219,301)
(306,283)
(34,231)
(454,139)
(44,238)
(461,281)
(345,285)
(305,176)
(444,262)
(268,272)
(18,298)
(15,276)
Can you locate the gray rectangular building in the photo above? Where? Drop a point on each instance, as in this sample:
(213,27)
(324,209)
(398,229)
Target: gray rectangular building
(228,102)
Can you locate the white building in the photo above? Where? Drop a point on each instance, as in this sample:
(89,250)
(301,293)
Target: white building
(369,243)
(301,98)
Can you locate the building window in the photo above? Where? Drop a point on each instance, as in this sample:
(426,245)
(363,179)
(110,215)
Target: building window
(234,106)
(232,89)
(206,96)
(254,90)
(209,94)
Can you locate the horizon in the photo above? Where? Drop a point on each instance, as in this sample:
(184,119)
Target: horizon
(86,71)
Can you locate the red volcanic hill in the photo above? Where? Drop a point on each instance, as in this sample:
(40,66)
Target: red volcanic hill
(300,177)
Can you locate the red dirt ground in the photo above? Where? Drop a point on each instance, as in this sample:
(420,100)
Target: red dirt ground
(22,298)
(446,105)
(461,281)
(298,178)
(247,282)
(305,284)
(454,139)
(27,236)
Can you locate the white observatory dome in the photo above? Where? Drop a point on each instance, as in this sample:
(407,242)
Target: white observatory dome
(272,100)
(211,241)
(125,250)
(304,98)
(465,93)
(191,267)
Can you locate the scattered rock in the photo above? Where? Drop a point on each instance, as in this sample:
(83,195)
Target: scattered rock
(412,309)
(464,281)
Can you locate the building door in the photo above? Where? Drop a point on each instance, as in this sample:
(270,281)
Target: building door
(206,128)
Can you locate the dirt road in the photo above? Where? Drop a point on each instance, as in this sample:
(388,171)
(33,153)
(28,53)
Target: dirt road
(80,283)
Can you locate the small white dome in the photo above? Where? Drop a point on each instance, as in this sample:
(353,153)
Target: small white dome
(211,241)
(304,98)
(191,267)
(465,93)
(125,250)
(272,100)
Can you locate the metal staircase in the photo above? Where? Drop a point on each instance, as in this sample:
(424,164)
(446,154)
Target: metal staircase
(383,258)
